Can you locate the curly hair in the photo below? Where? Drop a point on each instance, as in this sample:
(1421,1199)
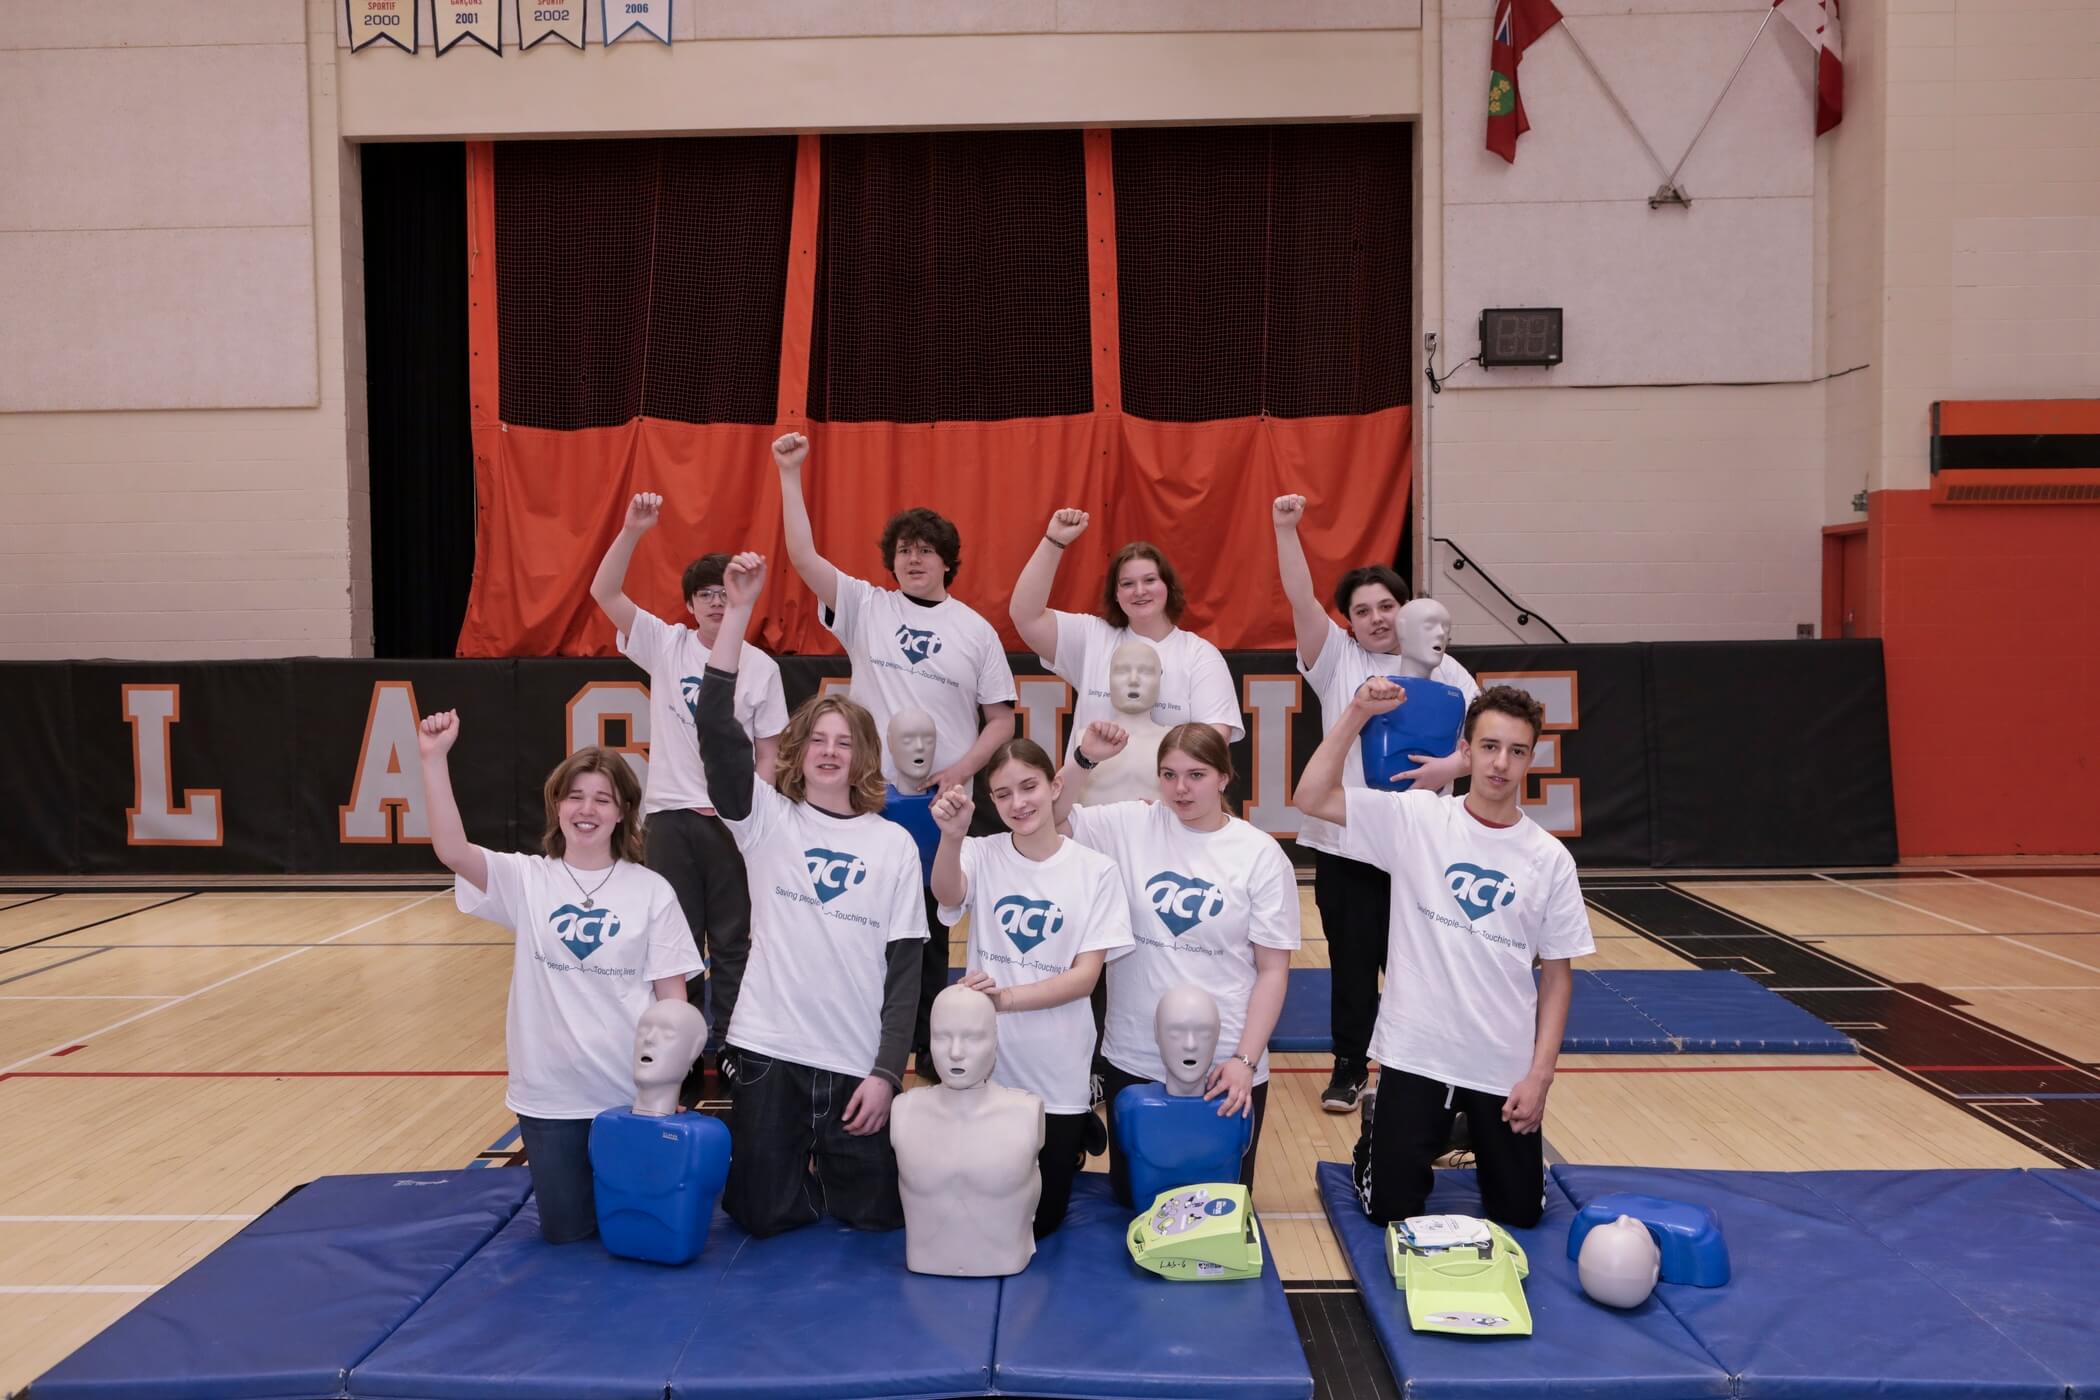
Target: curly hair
(1140,549)
(627,790)
(1507,700)
(928,527)
(864,777)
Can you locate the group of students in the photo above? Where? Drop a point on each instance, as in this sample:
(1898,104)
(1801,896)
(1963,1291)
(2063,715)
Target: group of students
(761,837)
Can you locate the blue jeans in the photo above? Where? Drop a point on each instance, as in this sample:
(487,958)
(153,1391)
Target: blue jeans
(558,1151)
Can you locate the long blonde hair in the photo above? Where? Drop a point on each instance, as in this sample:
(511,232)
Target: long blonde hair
(864,791)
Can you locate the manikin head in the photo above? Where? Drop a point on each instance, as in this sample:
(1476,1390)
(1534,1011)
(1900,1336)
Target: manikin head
(1502,730)
(1425,630)
(1370,599)
(964,1028)
(1195,768)
(1024,786)
(705,598)
(1186,1025)
(1133,677)
(666,1042)
(911,747)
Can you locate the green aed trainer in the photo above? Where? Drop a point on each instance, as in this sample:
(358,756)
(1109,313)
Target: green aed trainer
(1199,1233)
(1462,1275)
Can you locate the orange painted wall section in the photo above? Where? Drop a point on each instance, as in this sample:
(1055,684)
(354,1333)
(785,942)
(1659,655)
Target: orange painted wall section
(1990,626)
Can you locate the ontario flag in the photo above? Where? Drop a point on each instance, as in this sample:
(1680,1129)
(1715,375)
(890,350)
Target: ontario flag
(1517,24)
(1817,21)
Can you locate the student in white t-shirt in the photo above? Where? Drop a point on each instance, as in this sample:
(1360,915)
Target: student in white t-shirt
(916,646)
(1141,597)
(1045,914)
(598,936)
(687,843)
(824,1018)
(1480,894)
(1213,901)
(1352,897)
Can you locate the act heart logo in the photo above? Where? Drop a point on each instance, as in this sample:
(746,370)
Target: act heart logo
(1183,901)
(1479,892)
(833,872)
(689,691)
(918,644)
(584,931)
(1027,921)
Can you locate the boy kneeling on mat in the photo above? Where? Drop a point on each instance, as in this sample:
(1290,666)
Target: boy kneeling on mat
(1480,893)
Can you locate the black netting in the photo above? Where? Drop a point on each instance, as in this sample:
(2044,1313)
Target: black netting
(642,278)
(1264,270)
(951,278)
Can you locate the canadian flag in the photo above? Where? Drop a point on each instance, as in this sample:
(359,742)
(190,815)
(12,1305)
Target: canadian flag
(1817,21)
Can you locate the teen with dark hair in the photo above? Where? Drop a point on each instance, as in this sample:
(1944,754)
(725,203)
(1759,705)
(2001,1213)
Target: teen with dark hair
(916,646)
(1141,597)
(597,937)
(1481,893)
(1352,897)
(1045,914)
(687,843)
(1213,902)
(824,1019)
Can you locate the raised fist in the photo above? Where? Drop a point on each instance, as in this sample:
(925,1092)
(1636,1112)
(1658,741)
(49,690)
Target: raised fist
(744,579)
(1103,741)
(952,811)
(790,451)
(1288,511)
(436,734)
(1065,526)
(644,510)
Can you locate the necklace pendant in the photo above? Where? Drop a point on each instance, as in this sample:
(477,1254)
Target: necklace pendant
(589,903)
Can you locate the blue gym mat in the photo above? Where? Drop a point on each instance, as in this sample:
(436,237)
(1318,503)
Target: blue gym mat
(285,1309)
(1662,1012)
(1085,1321)
(1919,1284)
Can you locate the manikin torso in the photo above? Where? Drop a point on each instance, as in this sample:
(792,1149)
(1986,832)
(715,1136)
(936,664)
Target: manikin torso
(1170,1136)
(1427,724)
(911,743)
(1133,688)
(656,1172)
(966,1152)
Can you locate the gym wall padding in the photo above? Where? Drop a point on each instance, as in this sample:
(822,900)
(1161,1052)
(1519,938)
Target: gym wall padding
(315,769)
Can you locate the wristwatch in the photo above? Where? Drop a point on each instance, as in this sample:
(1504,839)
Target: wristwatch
(1086,764)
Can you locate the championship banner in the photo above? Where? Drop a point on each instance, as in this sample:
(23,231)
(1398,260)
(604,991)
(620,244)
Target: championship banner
(396,22)
(480,21)
(620,18)
(1652,754)
(551,19)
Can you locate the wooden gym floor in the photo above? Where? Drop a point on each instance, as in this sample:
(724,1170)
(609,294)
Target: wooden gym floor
(173,1062)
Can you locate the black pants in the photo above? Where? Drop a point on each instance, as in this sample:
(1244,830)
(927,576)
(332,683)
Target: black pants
(1353,899)
(699,858)
(1115,1079)
(933,976)
(558,1154)
(791,1159)
(1060,1161)
(1410,1126)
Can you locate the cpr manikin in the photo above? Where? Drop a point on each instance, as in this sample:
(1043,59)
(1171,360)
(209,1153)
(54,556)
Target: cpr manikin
(966,1152)
(909,801)
(1132,774)
(1171,1135)
(1426,724)
(657,1173)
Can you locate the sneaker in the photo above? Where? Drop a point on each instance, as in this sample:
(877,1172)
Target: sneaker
(1345,1087)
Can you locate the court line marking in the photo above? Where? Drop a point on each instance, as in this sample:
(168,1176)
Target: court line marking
(24,996)
(33,899)
(80,1287)
(1980,932)
(2028,987)
(2069,908)
(98,923)
(235,977)
(113,1219)
(253,1073)
(62,962)
(2060,957)
(1915,909)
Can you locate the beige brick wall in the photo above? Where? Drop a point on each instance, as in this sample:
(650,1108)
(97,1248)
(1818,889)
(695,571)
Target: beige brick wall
(205,532)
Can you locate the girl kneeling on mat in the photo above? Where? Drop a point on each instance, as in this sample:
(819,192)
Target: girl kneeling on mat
(1045,913)
(598,936)
(823,1021)
(1213,901)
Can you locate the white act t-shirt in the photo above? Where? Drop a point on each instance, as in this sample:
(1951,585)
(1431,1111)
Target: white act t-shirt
(1472,906)
(1030,920)
(1198,903)
(579,979)
(1340,672)
(676,658)
(1194,684)
(943,659)
(828,896)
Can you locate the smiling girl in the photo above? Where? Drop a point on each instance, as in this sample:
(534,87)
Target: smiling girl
(598,936)
(1045,914)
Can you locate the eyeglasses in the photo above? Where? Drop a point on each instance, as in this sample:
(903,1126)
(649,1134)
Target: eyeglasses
(712,595)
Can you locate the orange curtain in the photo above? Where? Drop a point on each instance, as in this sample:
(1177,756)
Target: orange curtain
(550,502)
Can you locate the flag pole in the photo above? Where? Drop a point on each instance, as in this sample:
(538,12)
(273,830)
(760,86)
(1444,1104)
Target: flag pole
(1569,30)
(1671,185)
